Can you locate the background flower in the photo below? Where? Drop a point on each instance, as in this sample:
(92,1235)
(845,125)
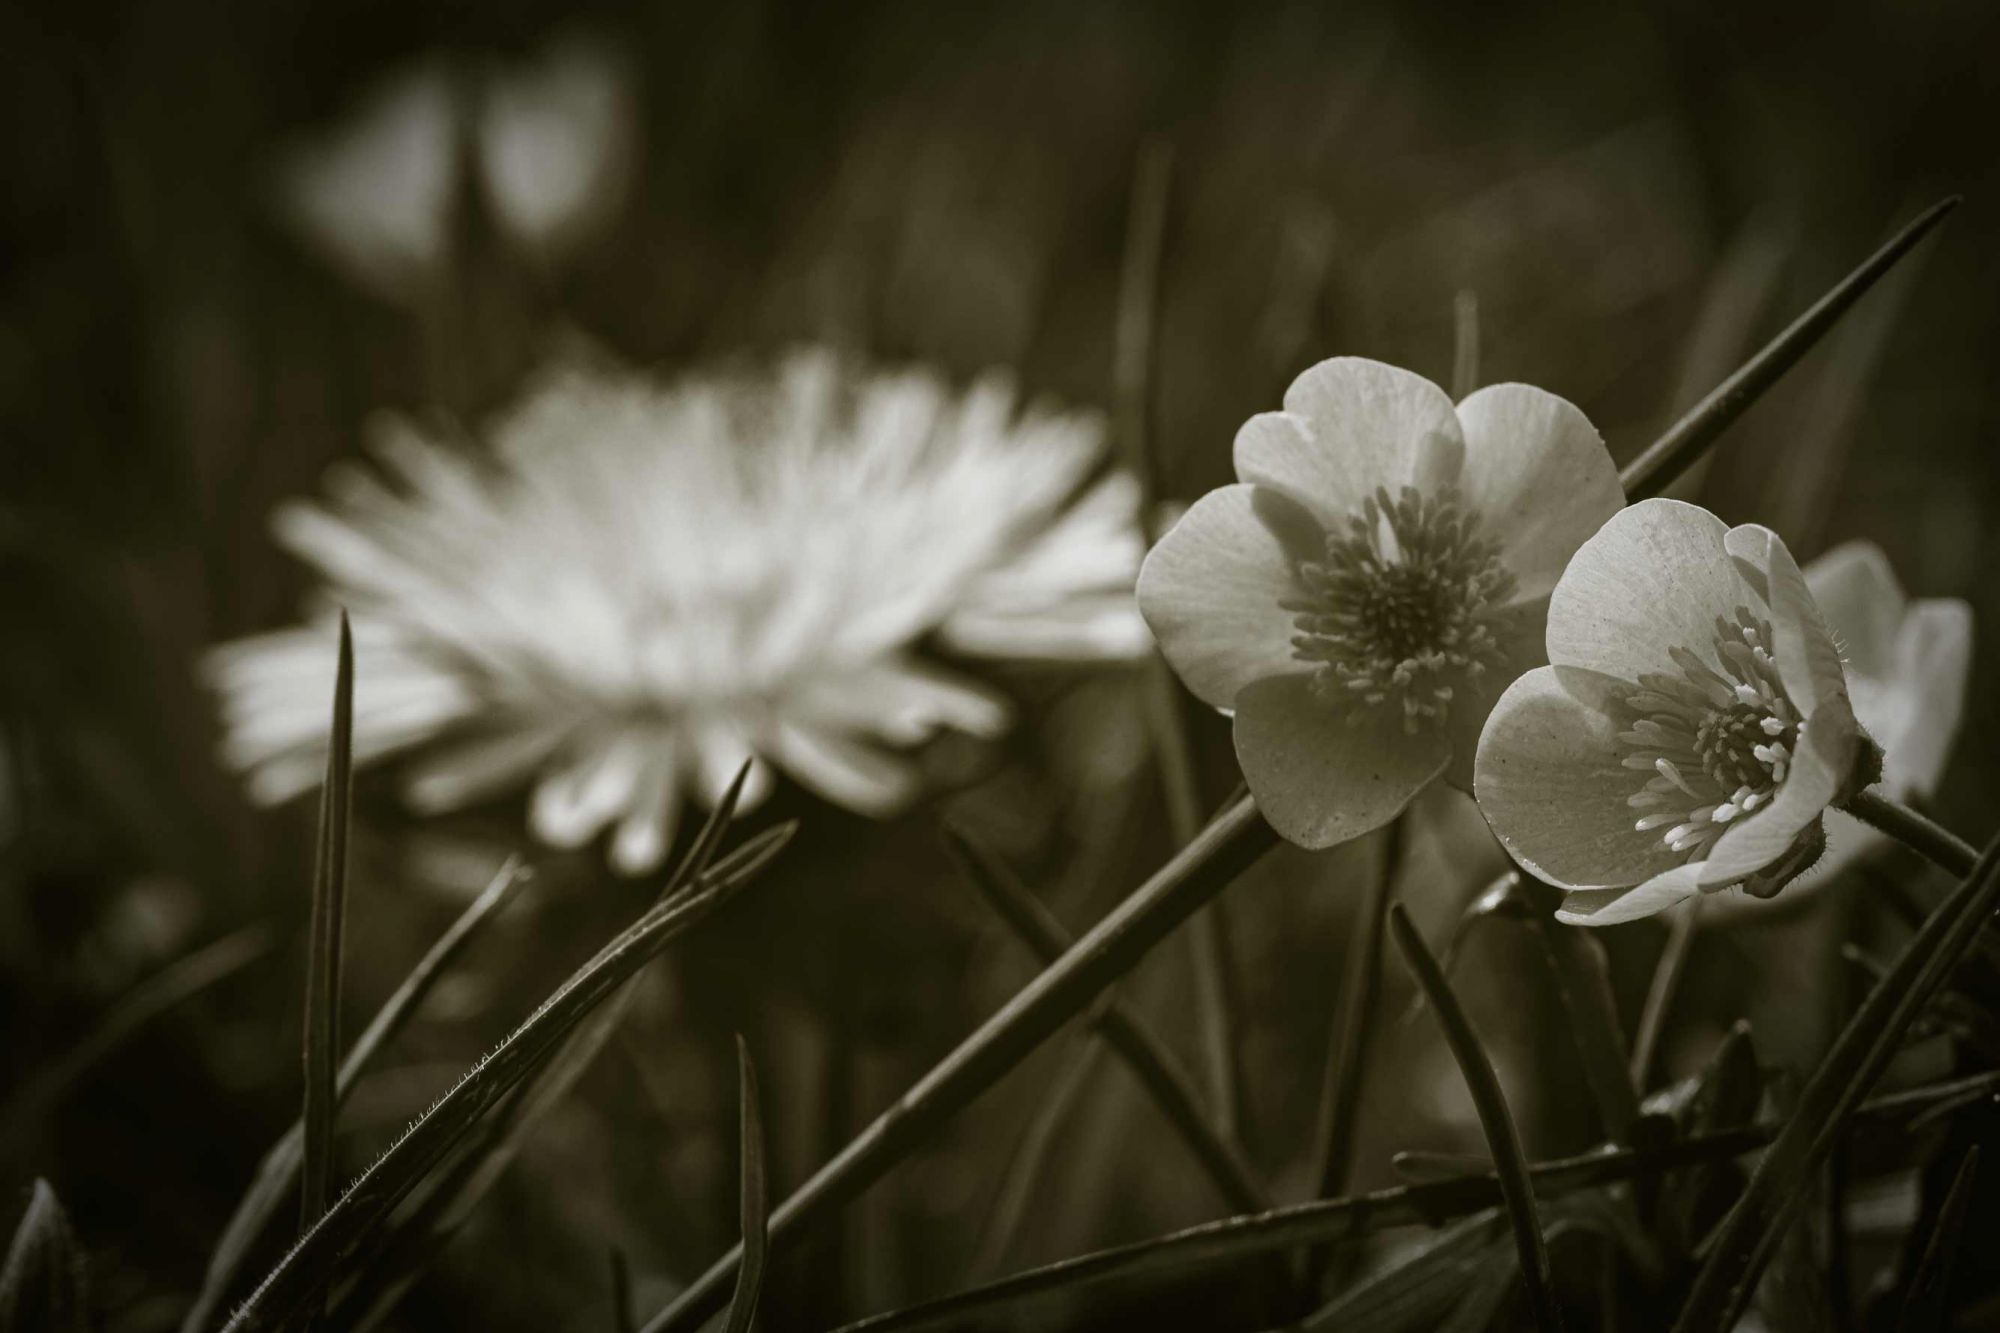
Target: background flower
(1379,573)
(1691,729)
(641,586)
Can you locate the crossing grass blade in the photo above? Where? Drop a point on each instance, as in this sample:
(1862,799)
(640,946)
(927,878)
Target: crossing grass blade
(1667,457)
(1144,1054)
(1927,1306)
(1361,1215)
(306,1271)
(1502,1138)
(753,1198)
(42,1279)
(278,1173)
(1864,1048)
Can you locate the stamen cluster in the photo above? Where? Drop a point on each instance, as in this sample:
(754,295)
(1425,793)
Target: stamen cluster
(1396,611)
(1718,740)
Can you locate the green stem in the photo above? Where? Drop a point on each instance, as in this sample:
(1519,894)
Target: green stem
(1924,836)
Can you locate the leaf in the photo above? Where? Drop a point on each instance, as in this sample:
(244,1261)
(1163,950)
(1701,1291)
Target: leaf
(1726,1097)
(1926,1308)
(1156,1067)
(1655,469)
(312,1264)
(1859,1054)
(42,1286)
(1502,1138)
(329,917)
(754,1199)
(1416,1294)
(278,1173)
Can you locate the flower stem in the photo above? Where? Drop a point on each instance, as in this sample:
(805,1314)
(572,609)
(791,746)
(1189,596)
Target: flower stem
(1924,836)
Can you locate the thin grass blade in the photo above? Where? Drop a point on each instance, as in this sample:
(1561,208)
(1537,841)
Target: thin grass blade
(1927,1307)
(1416,1294)
(1863,1049)
(1501,1136)
(1148,1058)
(1071,985)
(1662,461)
(620,1286)
(1660,991)
(323,949)
(753,1199)
(1582,974)
(1013,1200)
(278,1172)
(42,1284)
(305,1272)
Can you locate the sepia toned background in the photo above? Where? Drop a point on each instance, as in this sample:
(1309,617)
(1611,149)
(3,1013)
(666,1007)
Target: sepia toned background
(1638,196)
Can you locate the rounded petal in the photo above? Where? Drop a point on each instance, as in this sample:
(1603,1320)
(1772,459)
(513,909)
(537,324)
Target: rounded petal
(1520,630)
(1653,578)
(1323,774)
(1550,780)
(470,771)
(1857,592)
(1933,661)
(1211,589)
(1808,660)
(1538,474)
(651,816)
(1609,907)
(1349,426)
(845,771)
(571,804)
(1821,762)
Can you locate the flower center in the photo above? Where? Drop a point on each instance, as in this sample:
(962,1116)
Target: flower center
(1395,611)
(1718,739)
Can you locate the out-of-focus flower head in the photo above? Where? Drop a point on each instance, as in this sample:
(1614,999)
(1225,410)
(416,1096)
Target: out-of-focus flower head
(553,140)
(1379,573)
(1691,729)
(638,586)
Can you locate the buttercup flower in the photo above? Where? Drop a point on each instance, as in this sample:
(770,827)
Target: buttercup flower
(1377,576)
(640,586)
(1691,729)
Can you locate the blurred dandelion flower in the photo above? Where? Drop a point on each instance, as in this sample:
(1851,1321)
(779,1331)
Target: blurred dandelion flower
(1380,572)
(1692,729)
(555,141)
(640,586)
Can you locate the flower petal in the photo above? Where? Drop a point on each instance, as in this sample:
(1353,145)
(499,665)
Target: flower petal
(844,771)
(1551,782)
(571,804)
(1323,774)
(1538,474)
(1857,592)
(1808,661)
(1349,426)
(1821,762)
(1653,578)
(1609,907)
(1933,661)
(1211,589)
(470,771)
(1520,630)
(647,830)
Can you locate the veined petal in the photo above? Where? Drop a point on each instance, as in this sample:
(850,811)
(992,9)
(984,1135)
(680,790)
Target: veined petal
(1652,579)
(1863,604)
(1551,782)
(1212,589)
(1349,426)
(1538,474)
(1322,772)
(1520,630)
(1821,762)
(1609,907)
(1808,662)
(1933,661)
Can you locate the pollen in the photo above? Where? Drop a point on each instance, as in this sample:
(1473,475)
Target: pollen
(1396,615)
(1716,733)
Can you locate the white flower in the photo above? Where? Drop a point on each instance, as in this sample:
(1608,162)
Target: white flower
(1380,572)
(639,586)
(555,138)
(1691,731)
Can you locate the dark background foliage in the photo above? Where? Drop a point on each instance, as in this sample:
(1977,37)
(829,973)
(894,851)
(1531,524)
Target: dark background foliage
(1638,195)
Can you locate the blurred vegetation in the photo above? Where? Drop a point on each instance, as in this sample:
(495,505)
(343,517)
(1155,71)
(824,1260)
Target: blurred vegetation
(1638,196)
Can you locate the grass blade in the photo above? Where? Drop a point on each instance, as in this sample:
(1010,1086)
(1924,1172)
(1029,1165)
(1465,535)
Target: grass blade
(621,1292)
(1416,1294)
(1502,1138)
(1360,1215)
(42,1281)
(305,1272)
(1655,469)
(278,1173)
(1156,1068)
(323,948)
(173,984)
(1023,1173)
(1202,869)
(754,1196)
(1667,973)
(1583,986)
(1859,1054)
(1927,1307)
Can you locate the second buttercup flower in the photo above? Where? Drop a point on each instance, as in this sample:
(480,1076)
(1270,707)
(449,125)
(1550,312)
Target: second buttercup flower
(1378,575)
